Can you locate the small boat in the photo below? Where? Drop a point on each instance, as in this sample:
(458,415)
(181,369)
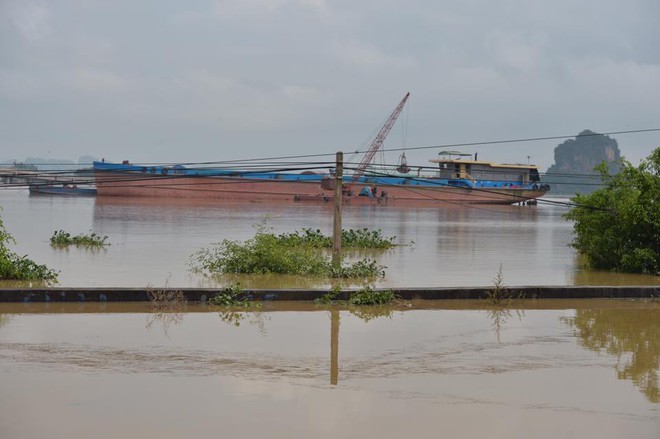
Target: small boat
(62,189)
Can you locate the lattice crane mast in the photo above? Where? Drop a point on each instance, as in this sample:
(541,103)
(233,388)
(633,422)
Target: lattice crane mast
(380,138)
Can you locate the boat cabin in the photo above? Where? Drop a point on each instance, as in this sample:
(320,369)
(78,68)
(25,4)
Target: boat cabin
(457,165)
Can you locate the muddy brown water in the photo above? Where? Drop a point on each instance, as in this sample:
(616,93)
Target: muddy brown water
(542,369)
(152,241)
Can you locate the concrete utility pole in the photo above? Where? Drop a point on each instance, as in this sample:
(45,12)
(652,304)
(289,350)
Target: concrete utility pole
(336,231)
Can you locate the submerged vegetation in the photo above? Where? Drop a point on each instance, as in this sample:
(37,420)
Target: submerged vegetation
(371,296)
(167,300)
(15,267)
(367,303)
(351,238)
(232,296)
(367,296)
(168,307)
(235,305)
(61,238)
(297,254)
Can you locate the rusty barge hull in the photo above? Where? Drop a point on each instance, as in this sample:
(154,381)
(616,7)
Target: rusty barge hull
(121,184)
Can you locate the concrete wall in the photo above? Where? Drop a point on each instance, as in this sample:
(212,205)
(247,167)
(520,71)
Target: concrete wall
(61,294)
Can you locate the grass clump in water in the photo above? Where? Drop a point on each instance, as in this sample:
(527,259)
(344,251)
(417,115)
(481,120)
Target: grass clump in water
(329,298)
(367,296)
(366,303)
(351,238)
(358,269)
(266,253)
(15,267)
(167,300)
(372,297)
(168,306)
(262,254)
(61,238)
(232,296)
(230,300)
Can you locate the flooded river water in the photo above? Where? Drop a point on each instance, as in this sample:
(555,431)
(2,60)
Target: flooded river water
(152,241)
(544,369)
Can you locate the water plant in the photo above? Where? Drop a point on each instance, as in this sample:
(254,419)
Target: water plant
(499,293)
(261,254)
(168,307)
(230,300)
(266,253)
(351,238)
(61,238)
(370,296)
(329,298)
(15,267)
(365,268)
(366,304)
(365,238)
(232,296)
(367,296)
(167,299)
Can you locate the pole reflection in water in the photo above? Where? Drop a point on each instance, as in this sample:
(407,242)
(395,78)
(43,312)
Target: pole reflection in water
(334,347)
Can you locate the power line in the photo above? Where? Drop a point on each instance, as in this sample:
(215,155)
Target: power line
(528,139)
(408,148)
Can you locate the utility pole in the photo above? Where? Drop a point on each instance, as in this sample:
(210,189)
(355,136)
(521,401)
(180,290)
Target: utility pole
(336,230)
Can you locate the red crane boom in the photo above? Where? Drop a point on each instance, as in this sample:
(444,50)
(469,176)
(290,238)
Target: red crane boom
(380,138)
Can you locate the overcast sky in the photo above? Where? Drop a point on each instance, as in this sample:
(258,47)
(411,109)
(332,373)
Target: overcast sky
(168,81)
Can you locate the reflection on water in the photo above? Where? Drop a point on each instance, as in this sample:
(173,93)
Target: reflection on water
(235,317)
(165,318)
(630,335)
(435,363)
(367,313)
(499,316)
(4,319)
(167,308)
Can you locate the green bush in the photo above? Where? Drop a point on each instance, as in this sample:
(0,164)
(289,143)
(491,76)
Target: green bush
(15,267)
(618,227)
(261,254)
(369,296)
(266,253)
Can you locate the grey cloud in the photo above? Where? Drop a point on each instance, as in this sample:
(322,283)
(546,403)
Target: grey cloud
(204,80)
